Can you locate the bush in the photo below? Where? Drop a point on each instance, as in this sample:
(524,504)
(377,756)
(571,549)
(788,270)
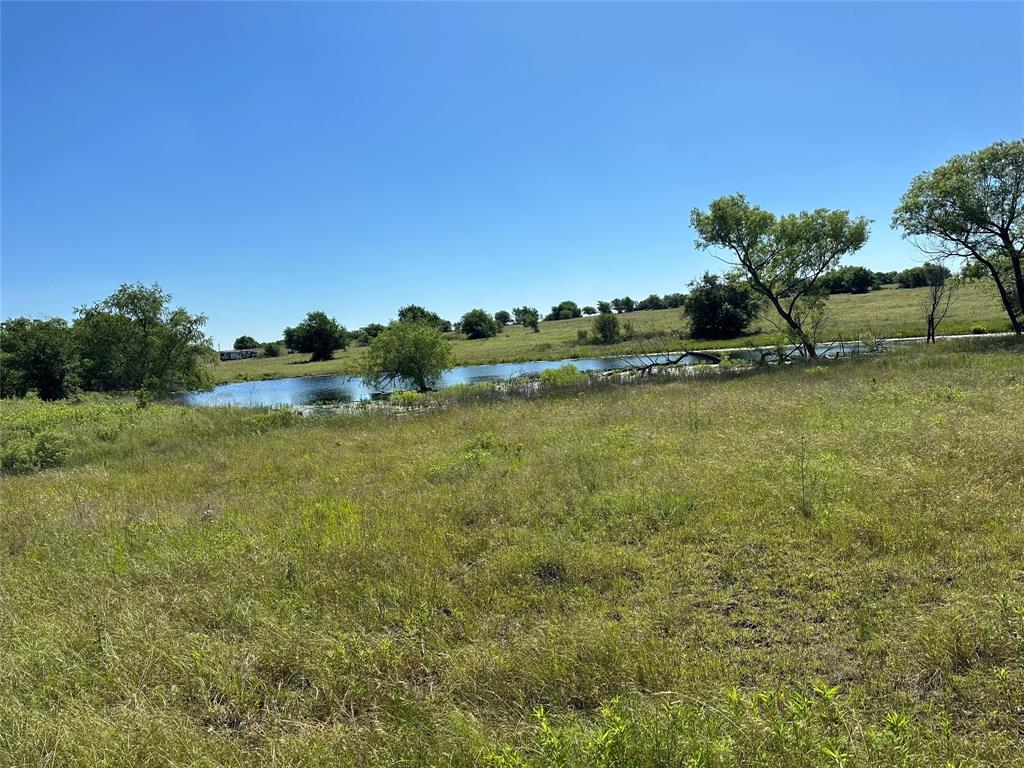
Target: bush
(588,310)
(25,452)
(407,398)
(271,349)
(606,328)
(720,309)
(581,335)
(979,329)
(477,324)
(566,376)
(245,342)
(502,318)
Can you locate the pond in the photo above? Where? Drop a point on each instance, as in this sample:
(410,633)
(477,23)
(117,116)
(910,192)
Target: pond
(325,390)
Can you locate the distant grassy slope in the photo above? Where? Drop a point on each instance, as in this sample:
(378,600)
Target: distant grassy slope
(889,312)
(771,570)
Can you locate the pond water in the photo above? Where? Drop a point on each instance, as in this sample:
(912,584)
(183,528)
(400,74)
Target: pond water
(325,390)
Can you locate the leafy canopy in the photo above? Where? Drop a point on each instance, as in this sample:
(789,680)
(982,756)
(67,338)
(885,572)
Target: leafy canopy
(720,309)
(972,208)
(606,328)
(784,258)
(565,310)
(414,352)
(413,313)
(36,355)
(134,339)
(478,324)
(528,317)
(318,334)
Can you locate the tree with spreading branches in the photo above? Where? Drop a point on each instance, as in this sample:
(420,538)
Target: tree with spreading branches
(783,257)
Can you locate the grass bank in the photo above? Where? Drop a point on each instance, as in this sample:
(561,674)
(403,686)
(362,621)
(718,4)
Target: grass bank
(890,312)
(806,567)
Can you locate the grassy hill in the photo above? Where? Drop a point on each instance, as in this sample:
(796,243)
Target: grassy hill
(888,312)
(813,566)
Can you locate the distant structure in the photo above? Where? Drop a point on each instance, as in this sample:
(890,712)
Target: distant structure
(236,354)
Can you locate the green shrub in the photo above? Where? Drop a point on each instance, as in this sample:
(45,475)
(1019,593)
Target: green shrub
(24,452)
(606,328)
(566,376)
(16,454)
(978,329)
(581,335)
(408,398)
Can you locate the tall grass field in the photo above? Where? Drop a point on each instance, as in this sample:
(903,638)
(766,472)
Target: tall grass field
(818,565)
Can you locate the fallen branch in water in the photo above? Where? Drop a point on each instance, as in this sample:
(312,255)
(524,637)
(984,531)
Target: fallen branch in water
(649,361)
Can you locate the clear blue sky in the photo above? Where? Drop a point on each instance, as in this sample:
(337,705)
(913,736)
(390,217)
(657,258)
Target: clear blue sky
(263,160)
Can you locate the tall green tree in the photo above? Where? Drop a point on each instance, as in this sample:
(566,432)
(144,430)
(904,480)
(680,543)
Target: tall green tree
(414,352)
(972,208)
(528,317)
(783,258)
(134,339)
(565,310)
(478,324)
(36,355)
(318,335)
(414,313)
(245,342)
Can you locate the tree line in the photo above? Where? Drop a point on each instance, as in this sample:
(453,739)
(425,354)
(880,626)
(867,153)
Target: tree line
(133,340)
(968,211)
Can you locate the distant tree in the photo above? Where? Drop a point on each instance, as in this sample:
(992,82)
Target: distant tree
(783,258)
(414,352)
(938,299)
(370,331)
(528,317)
(36,355)
(674,300)
(849,280)
(604,307)
(502,318)
(885,278)
(922,276)
(245,342)
(654,301)
(478,324)
(606,328)
(135,340)
(567,310)
(720,309)
(588,310)
(972,208)
(413,313)
(625,304)
(318,334)
(271,349)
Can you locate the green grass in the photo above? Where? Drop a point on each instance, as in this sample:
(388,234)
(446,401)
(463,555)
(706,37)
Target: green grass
(887,312)
(811,566)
